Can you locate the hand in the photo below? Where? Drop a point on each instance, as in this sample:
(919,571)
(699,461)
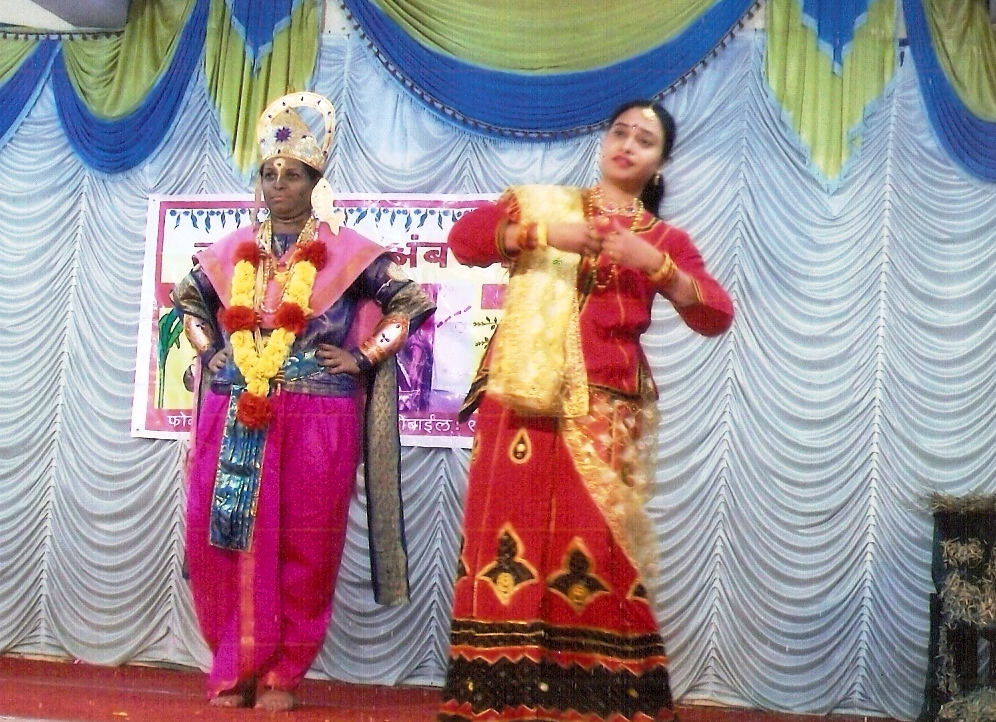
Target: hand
(337,360)
(625,248)
(581,238)
(218,361)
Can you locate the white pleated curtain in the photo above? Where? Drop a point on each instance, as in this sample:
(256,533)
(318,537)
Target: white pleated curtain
(794,451)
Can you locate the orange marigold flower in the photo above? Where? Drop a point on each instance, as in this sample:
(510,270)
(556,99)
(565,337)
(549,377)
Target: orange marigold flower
(247,251)
(238,318)
(291,317)
(314,253)
(253,411)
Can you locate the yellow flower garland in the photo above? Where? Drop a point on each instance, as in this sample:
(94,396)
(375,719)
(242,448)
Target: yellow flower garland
(260,364)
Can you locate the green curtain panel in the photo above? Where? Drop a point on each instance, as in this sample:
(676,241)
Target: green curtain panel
(239,92)
(13,52)
(113,75)
(965,45)
(826,109)
(515,35)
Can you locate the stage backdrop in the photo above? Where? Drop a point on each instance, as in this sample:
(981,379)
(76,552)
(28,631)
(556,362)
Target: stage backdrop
(794,451)
(437,363)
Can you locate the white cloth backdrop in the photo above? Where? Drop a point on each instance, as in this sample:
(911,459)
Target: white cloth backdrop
(794,451)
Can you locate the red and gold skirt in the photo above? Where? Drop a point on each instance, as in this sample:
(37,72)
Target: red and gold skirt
(552,619)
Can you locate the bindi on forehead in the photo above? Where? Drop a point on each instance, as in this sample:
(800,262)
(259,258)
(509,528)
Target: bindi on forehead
(641,119)
(643,128)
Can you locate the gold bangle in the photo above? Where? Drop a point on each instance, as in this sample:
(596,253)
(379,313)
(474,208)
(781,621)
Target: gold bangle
(527,238)
(665,274)
(522,236)
(500,240)
(540,235)
(522,239)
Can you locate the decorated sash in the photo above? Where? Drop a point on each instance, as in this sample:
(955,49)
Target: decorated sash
(236,484)
(537,366)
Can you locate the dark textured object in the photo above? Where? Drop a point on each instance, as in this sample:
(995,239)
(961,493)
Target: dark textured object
(962,608)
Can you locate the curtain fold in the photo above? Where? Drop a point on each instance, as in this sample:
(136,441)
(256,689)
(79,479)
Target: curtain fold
(113,75)
(241,83)
(13,53)
(835,22)
(119,143)
(968,137)
(825,85)
(552,37)
(258,22)
(118,95)
(540,106)
(964,42)
(23,65)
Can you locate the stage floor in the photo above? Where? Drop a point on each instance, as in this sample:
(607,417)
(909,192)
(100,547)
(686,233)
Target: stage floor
(34,690)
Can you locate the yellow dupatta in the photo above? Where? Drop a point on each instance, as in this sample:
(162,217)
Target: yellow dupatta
(537,366)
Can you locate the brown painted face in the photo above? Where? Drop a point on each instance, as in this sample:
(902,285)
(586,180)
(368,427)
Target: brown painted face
(633,149)
(286,185)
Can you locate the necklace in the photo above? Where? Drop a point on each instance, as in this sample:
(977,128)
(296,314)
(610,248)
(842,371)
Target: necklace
(596,203)
(270,266)
(260,359)
(599,277)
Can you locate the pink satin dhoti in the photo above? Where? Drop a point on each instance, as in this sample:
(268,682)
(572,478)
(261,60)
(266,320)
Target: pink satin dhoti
(264,613)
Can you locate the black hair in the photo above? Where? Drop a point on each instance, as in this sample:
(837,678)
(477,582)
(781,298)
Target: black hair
(653,192)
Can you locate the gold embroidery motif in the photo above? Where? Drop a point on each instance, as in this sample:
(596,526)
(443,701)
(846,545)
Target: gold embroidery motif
(509,571)
(610,448)
(395,272)
(461,571)
(577,584)
(521,448)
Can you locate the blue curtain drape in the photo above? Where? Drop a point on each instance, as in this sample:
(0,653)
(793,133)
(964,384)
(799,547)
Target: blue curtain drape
(257,22)
(18,94)
(533,106)
(114,145)
(970,140)
(492,102)
(835,22)
(117,145)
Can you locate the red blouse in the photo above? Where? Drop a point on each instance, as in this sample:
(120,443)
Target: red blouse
(616,301)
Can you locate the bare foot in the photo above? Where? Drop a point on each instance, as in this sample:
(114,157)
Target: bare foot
(238,696)
(276,700)
(228,699)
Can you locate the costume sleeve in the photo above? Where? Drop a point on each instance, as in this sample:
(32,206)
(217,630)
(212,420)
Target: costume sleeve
(402,301)
(713,314)
(476,238)
(195,299)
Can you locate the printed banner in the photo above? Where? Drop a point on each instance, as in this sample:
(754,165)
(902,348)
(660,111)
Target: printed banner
(436,365)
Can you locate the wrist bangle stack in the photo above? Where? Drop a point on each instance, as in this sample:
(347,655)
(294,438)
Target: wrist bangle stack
(665,274)
(522,236)
(540,235)
(500,240)
(526,239)
(532,236)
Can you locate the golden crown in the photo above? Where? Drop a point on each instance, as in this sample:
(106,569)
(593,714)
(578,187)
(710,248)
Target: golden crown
(281,132)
